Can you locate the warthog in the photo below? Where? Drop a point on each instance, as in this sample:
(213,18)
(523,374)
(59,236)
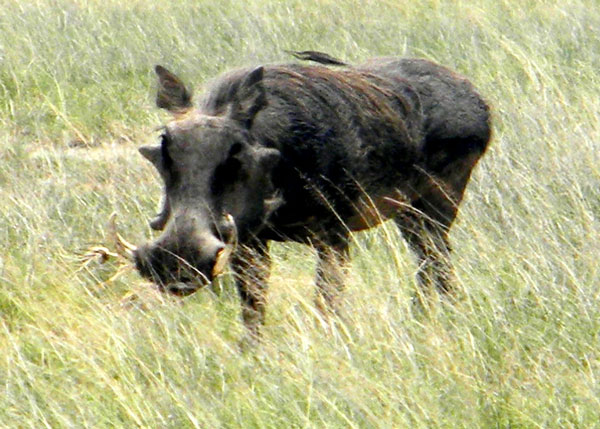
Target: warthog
(309,153)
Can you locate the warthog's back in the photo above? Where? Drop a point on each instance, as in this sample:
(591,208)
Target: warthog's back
(456,119)
(368,130)
(341,133)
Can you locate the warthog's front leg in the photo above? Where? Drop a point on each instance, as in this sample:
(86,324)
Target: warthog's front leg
(331,275)
(251,265)
(429,241)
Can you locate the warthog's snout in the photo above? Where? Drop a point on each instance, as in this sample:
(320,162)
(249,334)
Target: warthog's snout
(183,264)
(181,260)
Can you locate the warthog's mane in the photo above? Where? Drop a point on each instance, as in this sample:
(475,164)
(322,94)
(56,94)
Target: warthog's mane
(362,88)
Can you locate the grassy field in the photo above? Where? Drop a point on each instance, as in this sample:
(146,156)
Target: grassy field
(520,350)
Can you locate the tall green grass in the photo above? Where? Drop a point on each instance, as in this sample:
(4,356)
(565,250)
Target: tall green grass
(83,348)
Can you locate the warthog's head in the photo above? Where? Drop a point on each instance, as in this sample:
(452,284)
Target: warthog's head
(217,184)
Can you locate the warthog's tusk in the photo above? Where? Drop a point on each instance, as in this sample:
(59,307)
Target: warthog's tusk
(100,252)
(222,259)
(123,247)
(224,254)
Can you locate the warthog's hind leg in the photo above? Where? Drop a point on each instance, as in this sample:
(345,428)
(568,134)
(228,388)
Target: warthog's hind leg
(331,274)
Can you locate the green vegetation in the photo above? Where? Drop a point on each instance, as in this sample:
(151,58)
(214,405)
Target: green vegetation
(521,349)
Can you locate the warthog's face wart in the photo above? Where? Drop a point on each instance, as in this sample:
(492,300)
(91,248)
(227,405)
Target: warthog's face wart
(217,187)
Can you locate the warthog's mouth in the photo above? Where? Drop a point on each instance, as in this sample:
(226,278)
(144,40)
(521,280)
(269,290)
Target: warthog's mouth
(193,279)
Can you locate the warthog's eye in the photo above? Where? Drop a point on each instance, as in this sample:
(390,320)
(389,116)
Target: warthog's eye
(167,161)
(228,172)
(164,144)
(235,149)
(164,140)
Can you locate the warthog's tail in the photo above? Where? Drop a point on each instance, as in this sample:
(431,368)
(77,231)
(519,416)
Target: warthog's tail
(317,57)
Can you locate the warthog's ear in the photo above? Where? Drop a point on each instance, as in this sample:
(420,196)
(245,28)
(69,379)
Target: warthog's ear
(172,94)
(250,98)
